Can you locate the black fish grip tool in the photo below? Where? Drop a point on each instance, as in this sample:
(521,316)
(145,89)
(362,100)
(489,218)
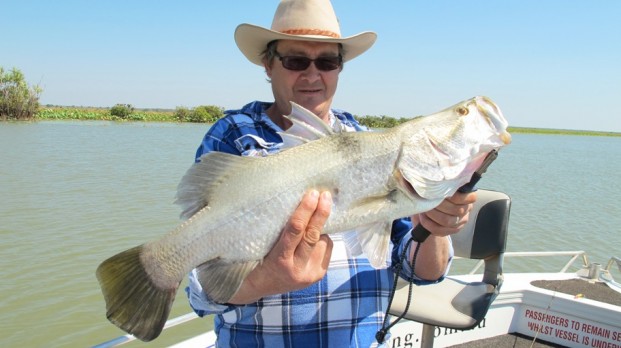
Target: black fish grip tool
(420,233)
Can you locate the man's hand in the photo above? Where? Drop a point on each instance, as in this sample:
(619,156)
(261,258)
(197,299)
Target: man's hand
(446,219)
(299,258)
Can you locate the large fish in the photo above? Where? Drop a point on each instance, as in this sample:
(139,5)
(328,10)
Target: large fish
(233,220)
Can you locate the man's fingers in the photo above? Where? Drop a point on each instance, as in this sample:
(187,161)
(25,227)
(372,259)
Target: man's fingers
(464,198)
(301,216)
(314,228)
(448,217)
(459,205)
(295,229)
(319,218)
(327,255)
(304,228)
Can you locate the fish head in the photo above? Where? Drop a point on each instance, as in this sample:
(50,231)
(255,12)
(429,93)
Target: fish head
(440,152)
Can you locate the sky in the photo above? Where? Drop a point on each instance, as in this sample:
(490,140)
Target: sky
(546,63)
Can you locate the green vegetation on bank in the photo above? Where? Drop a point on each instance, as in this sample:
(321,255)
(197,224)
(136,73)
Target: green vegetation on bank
(126,112)
(387,122)
(210,113)
(100,114)
(19,101)
(562,131)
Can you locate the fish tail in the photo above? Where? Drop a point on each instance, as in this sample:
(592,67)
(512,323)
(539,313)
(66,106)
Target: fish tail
(134,302)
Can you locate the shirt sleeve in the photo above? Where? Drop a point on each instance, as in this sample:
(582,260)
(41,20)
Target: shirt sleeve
(401,234)
(239,134)
(200,303)
(218,138)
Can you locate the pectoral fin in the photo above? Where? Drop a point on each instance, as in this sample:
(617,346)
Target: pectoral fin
(221,279)
(373,240)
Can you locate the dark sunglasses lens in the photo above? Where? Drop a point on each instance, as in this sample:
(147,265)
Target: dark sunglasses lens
(328,63)
(296,63)
(302,63)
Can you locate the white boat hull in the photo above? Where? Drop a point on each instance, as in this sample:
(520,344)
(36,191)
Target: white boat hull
(571,320)
(567,320)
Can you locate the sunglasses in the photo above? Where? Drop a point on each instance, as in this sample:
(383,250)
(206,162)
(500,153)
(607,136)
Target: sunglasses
(301,63)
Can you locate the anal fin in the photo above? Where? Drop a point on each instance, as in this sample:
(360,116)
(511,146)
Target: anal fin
(221,279)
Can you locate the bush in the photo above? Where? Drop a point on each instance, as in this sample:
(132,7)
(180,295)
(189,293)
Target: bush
(17,100)
(380,121)
(182,114)
(121,110)
(200,114)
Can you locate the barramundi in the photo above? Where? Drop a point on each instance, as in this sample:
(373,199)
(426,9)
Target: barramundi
(233,220)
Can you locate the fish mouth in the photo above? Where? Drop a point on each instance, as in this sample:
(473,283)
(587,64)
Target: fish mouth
(505,137)
(494,117)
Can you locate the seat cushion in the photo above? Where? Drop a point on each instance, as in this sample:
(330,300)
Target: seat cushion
(450,303)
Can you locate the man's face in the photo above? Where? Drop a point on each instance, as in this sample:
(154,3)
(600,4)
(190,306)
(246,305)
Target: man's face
(311,88)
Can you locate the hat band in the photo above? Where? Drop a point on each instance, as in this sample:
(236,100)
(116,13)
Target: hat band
(311,32)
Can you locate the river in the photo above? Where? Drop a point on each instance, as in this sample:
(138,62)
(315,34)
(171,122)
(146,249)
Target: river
(75,193)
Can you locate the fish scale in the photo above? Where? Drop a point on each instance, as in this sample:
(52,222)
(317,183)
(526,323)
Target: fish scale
(233,222)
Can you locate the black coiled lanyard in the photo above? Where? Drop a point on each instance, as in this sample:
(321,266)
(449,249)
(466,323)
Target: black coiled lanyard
(380,336)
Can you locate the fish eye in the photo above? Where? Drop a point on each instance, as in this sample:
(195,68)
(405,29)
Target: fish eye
(462,111)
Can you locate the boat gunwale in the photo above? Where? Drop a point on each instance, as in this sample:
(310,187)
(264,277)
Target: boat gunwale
(514,297)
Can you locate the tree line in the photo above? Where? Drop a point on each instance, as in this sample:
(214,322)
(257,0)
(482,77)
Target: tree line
(20,101)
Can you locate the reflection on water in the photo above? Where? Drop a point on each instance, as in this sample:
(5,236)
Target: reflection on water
(75,193)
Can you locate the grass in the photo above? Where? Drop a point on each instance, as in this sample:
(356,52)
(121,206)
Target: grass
(527,130)
(162,115)
(102,114)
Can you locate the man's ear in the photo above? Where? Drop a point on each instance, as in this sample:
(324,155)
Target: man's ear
(268,69)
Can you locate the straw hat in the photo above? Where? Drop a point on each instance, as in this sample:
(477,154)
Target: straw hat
(304,20)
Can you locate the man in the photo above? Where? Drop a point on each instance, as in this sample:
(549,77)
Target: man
(309,291)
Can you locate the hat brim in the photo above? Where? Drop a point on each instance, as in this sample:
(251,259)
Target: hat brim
(252,40)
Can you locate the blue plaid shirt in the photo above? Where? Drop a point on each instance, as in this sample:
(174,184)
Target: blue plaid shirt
(344,309)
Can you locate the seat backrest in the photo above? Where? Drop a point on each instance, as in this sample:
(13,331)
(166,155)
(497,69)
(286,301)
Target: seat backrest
(485,234)
(455,303)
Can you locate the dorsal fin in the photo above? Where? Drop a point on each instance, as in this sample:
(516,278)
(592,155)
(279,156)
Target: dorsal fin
(306,127)
(196,186)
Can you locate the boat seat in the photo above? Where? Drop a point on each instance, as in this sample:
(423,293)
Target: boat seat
(453,303)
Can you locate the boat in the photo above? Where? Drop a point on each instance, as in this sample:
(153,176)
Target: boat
(577,305)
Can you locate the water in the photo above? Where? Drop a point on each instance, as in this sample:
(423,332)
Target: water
(75,193)
(564,192)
